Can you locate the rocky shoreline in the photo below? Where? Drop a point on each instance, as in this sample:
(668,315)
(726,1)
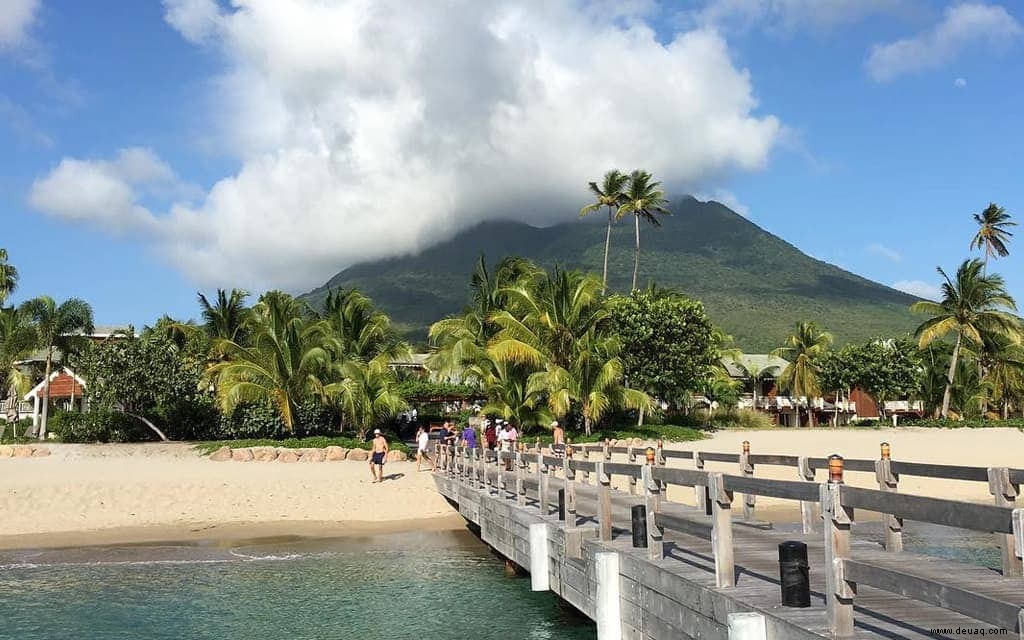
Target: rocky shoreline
(23,451)
(287,455)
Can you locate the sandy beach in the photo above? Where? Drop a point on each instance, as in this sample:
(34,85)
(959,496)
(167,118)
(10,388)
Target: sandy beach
(106,494)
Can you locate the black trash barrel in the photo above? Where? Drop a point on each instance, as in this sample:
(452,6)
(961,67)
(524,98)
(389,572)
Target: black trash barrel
(794,574)
(640,526)
(561,504)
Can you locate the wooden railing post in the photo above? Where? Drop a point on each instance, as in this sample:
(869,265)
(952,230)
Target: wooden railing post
(520,463)
(839,592)
(502,485)
(542,482)
(660,454)
(652,502)
(747,469)
(721,531)
(889,481)
(631,456)
(568,477)
(1005,493)
(606,449)
(806,508)
(604,503)
(585,475)
(700,493)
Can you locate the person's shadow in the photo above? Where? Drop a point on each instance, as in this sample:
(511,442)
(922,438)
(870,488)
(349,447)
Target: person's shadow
(394,476)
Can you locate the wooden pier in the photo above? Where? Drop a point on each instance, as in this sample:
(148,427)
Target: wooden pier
(709,572)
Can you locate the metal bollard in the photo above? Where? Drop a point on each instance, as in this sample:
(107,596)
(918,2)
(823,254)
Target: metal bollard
(561,504)
(639,513)
(794,574)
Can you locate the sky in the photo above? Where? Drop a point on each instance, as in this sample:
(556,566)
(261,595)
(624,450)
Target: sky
(150,150)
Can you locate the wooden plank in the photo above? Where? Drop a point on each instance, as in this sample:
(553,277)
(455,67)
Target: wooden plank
(849,464)
(774,460)
(977,605)
(786,489)
(679,455)
(682,524)
(622,469)
(583,466)
(951,513)
(948,471)
(711,456)
(682,477)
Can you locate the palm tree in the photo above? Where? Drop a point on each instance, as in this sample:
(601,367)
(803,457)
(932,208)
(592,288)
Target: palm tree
(225,318)
(1003,363)
(509,394)
(17,340)
(802,349)
(8,277)
(285,361)
(756,373)
(609,194)
(993,232)
(642,199)
(359,330)
(366,392)
(59,328)
(972,304)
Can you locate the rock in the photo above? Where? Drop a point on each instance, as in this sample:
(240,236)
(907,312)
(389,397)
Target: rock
(638,442)
(397,456)
(23,451)
(335,453)
(264,454)
(312,455)
(6,451)
(41,452)
(287,455)
(222,454)
(241,455)
(357,454)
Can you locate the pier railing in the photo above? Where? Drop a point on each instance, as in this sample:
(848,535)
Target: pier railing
(537,475)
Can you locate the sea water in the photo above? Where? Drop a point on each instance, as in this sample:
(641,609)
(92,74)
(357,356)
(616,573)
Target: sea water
(418,586)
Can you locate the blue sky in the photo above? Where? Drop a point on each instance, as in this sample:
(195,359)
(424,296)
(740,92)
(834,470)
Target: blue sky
(151,149)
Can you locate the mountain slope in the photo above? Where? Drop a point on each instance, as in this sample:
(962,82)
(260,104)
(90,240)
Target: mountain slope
(754,285)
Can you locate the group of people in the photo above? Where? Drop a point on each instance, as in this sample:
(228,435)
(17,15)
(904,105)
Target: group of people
(498,434)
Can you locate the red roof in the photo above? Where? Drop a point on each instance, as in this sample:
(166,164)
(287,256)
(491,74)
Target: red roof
(62,386)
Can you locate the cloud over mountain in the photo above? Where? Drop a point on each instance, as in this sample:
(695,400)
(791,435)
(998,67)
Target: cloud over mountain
(370,129)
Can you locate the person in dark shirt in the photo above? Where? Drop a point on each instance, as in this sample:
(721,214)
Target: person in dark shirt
(490,435)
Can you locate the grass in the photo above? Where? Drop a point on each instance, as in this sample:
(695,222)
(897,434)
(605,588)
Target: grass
(668,433)
(9,439)
(207,447)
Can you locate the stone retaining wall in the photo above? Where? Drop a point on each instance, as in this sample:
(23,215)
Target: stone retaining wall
(283,454)
(22,451)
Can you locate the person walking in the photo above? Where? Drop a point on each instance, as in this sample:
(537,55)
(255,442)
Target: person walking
(422,448)
(469,437)
(380,451)
(558,441)
(490,435)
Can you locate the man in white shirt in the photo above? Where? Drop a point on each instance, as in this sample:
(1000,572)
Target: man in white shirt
(422,447)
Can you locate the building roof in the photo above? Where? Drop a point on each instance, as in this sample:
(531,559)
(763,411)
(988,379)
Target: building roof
(754,361)
(63,384)
(417,360)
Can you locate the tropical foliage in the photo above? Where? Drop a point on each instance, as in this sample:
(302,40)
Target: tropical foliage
(610,194)
(644,200)
(803,349)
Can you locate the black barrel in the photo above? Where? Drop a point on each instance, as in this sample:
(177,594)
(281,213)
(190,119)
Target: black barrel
(561,504)
(639,526)
(794,574)
(708,507)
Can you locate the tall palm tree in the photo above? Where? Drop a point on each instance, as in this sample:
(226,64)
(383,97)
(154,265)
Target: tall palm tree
(801,375)
(8,277)
(993,232)
(285,361)
(17,340)
(366,392)
(644,199)
(225,318)
(756,373)
(972,304)
(59,328)
(1003,363)
(359,330)
(608,194)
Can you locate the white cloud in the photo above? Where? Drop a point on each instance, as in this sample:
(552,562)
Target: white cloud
(789,15)
(726,197)
(960,83)
(883,251)
(963,26)
(366,130)
(107,193)
(918,288)
(16,18)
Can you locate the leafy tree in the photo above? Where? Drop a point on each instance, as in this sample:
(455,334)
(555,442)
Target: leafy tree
(667,345)
(609,194)
(886,369)
(993,232)
(59,328)
(285,362)
(972,304)
(642,199)
(803,349)
(8,277)
(1002,360)
(837,373)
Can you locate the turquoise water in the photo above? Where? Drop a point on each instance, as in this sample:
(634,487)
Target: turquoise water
(423,586)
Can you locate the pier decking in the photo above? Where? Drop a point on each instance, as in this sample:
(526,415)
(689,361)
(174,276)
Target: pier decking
(705,571)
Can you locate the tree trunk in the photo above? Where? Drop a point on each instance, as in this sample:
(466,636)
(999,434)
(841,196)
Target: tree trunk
(636,255)
(983,400)
(947,394)
(812,419)
(607,243)
(640,419)
(796,405)
(46,394)
(1006,410)
(586,424)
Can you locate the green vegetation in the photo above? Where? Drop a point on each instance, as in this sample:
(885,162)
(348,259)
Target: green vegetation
(753,285)
(311,442)
(803,349)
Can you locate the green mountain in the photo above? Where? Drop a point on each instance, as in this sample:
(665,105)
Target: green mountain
(753,284)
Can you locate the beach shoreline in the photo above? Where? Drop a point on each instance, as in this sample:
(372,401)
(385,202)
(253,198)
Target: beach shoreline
(85,495)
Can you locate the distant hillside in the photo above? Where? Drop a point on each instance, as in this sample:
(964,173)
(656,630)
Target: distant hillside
(754,284)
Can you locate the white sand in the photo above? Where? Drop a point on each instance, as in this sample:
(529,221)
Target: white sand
(119,493)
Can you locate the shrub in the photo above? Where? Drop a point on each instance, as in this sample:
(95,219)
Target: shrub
(250,421)
(970,423)
(741,419)
(97,426)
(314,442)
